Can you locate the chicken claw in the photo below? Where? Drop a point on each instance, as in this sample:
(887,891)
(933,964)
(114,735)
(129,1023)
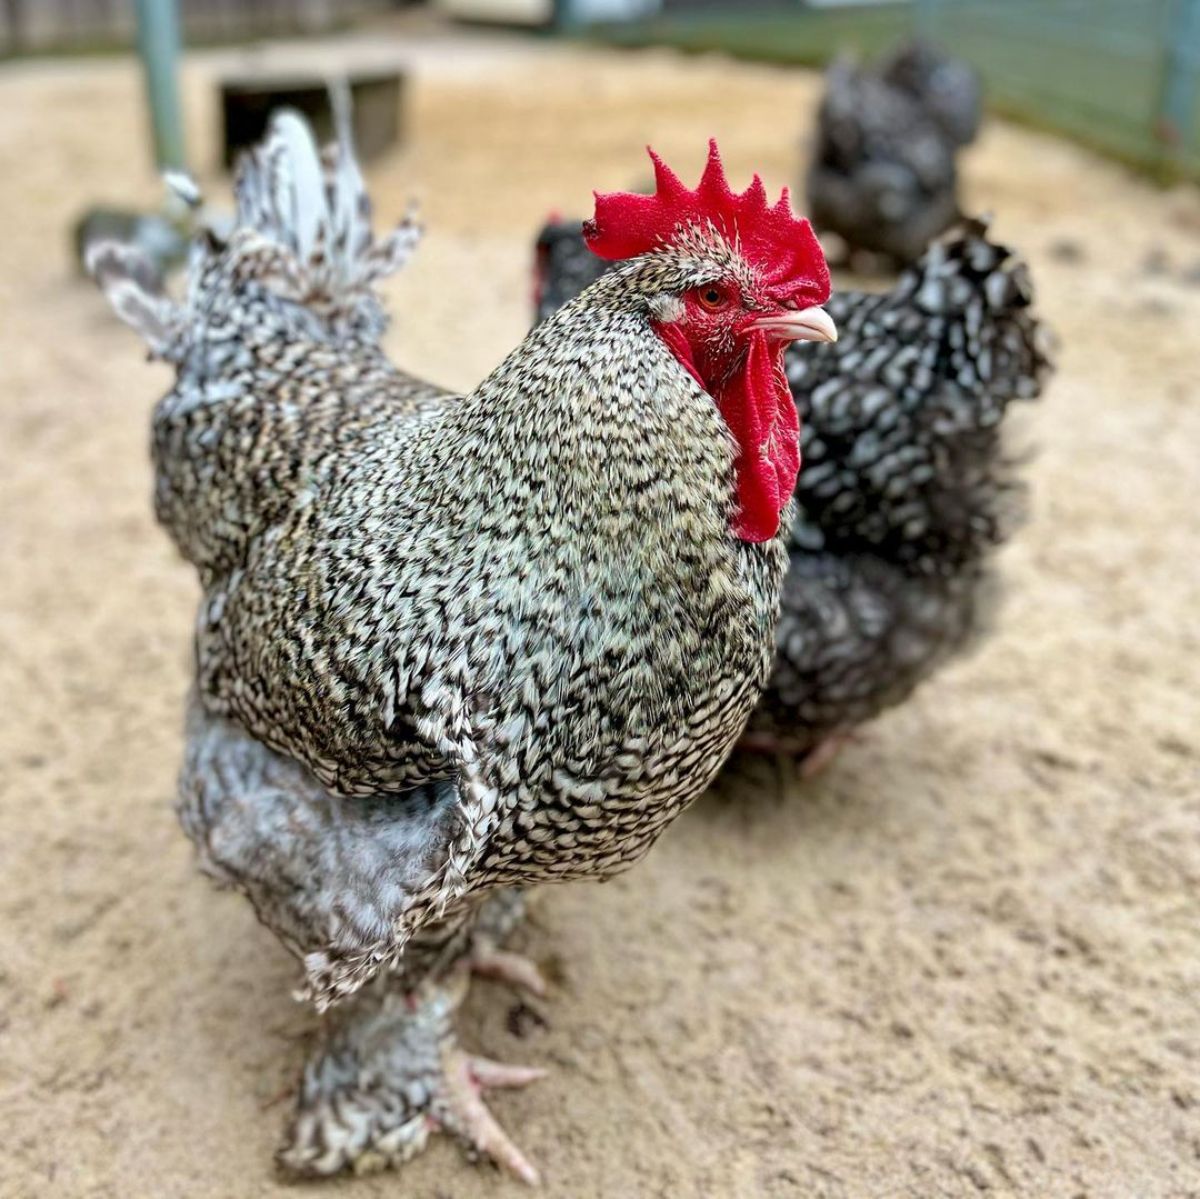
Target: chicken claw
(813,760)
(821,756)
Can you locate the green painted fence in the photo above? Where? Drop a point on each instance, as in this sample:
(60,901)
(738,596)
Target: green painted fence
(1121,75)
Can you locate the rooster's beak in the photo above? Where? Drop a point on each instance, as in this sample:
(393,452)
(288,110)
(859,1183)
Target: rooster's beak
(808,324)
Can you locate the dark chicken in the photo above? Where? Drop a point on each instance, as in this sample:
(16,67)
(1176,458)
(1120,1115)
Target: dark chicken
(905,487)
(947,88)
(883,175)
(451,644)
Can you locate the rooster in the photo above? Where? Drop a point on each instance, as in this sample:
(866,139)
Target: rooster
(453,645)
(906,487)
(883,175)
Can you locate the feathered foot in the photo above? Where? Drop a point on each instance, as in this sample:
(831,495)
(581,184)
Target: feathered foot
(393,1073)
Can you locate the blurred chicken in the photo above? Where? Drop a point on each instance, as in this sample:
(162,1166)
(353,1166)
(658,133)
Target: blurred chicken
(905,485)
(948,88)
(883,175)
(562,266)
(452,644)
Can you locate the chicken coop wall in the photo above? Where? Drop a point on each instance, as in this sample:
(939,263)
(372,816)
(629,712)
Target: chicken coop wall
(1119,74)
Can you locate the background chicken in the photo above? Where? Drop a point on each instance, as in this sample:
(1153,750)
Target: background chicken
(883,175)
(905,485)
(949,89)
(450,644)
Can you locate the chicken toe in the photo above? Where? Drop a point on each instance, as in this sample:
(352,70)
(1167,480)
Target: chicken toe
(814,759)
(514,969)
(499,914)
(461,1109)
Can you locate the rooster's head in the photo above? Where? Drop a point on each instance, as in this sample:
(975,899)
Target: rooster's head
(729,280)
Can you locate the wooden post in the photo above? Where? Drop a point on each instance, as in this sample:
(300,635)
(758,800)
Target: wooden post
(564,15)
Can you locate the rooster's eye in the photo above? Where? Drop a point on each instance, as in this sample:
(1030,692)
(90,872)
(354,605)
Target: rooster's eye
(711,298)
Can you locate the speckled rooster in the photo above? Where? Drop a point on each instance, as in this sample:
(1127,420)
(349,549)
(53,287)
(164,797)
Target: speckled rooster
(452,644)
(906,487)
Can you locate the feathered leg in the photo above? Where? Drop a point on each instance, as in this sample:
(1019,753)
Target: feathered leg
(331,874)
(390,1072)
(498,915)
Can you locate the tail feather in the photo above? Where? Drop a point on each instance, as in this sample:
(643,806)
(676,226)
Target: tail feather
(302,232)
(134,289)
(280,188)
(316,206)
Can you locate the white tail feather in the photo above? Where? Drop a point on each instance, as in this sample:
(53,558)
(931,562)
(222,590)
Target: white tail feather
(302,231)
(317,205)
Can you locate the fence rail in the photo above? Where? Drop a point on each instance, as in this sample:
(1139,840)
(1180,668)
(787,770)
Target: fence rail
(40,25)
(1119,74)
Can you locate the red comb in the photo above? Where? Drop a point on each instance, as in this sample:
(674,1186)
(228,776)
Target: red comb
(779,244)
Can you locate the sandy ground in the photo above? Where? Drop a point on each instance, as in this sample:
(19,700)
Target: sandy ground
(965,961)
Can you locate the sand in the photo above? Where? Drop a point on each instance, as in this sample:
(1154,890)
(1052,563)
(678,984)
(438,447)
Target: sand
(965,961)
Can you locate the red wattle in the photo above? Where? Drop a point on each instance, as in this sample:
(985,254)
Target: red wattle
(757,406)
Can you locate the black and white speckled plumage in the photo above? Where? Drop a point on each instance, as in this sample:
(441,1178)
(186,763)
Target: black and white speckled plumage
(325,873)
(447,643)
(905,486)
(883,175)
(530,593)
(562,266)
